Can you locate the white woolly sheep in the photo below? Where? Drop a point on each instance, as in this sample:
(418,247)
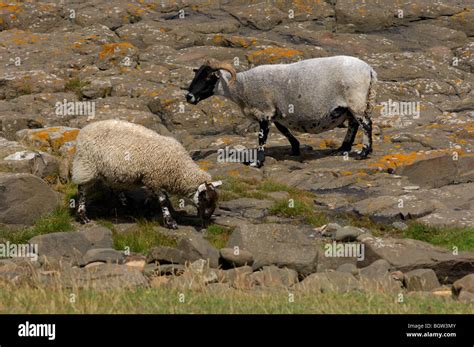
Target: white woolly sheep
(126,155)
(310,96)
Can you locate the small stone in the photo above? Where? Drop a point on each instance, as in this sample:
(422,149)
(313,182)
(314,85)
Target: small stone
(411,188)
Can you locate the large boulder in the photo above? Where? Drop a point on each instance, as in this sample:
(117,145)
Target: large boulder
(24,198)
(72,246)
(407,254)
(276,244)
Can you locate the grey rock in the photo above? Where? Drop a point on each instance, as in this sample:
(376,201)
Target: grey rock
(331,281)
(407,254)
(106,255)
(166,255)
(465,284)
(72,246)
(195,247)
(276,244)
(349,268)
(347,234)
(467,297)
(110,276)
(421,280)
(272,276)
(24,198)
(378,269)
(238,277)
(241,259)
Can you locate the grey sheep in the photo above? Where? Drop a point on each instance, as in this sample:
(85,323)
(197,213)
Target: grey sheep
(127,155)
(310,96)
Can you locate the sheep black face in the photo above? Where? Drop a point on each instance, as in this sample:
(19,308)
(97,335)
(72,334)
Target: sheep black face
(207,202)
(205,80)
(203,84)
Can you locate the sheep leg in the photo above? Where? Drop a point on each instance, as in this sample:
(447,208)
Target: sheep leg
(81,208)
(366,124)
(165,204)
(348,139)
(262,140)
(295,144)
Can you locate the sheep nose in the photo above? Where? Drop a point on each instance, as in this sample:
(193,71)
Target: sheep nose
(190,98)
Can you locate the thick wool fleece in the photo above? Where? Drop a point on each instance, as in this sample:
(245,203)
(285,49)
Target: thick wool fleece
(127,154)
(302,95)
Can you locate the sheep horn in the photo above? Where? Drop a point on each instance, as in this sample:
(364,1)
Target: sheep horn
(217,65)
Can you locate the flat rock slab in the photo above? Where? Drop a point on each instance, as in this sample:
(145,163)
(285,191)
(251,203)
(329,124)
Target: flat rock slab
(276,244)
(407,254)
(72,246)
(106,255)
(100,277)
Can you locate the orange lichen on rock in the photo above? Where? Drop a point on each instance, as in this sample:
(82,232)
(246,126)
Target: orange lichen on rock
(396,160)
(10,8)
(55,139)
(233,41)
(110,49)
(305,5)
(204,165)
(273,54)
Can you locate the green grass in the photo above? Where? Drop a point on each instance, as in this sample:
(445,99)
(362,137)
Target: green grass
(165,300)
(58,220)
(218,235)
(298,208)
(234,188)
(449,237)
(270,186)
(141,238)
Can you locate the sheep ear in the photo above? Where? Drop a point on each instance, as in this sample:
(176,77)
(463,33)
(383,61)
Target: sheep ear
(195,70)
(202,188)
(216,184)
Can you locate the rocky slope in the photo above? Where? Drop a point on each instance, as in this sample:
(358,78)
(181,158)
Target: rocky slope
(132,59)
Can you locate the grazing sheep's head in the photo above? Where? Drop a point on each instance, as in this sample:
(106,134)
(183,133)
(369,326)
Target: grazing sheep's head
(206,201)
(205,80)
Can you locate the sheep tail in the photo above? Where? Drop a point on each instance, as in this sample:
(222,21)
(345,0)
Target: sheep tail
(371,94)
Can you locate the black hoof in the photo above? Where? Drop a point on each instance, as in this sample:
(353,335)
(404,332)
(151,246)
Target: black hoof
(170,224)
(84,220)
(257,164)
(363,154)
